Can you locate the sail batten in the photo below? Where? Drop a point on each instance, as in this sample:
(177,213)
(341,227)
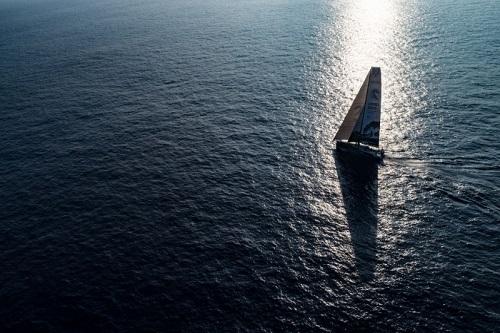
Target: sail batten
(362,122)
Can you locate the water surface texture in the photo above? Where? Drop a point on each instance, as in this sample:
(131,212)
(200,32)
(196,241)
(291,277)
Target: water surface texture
(170,166)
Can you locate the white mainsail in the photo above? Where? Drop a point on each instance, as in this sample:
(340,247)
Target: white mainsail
(362,122)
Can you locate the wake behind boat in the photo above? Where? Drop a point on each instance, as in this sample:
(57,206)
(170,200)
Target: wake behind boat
(360,131)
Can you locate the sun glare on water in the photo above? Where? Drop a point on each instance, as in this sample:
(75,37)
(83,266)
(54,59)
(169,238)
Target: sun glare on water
(358,36)
(367,29)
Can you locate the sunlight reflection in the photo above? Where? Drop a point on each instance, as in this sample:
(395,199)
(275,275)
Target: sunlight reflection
(367,30)
(355,37)
(374,33)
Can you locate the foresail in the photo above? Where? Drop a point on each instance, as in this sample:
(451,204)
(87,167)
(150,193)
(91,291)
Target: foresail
(367,127)
(345,130)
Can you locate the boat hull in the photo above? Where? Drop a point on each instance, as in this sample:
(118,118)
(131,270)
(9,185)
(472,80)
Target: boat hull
(360,150)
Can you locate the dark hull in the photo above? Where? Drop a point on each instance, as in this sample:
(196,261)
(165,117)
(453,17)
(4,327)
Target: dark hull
(360,151)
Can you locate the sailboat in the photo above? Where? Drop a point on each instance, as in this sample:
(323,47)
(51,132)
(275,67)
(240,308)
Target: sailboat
(360,131)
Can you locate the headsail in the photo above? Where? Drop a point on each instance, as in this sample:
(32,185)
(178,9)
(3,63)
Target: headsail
(367,129)
(345,130)
(362,122)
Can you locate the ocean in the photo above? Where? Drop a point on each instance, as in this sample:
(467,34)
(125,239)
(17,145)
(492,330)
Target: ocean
(170,166)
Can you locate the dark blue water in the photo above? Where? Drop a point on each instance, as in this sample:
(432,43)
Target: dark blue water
(170,166)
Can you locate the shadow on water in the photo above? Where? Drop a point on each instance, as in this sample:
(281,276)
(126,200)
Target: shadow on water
(359,185)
